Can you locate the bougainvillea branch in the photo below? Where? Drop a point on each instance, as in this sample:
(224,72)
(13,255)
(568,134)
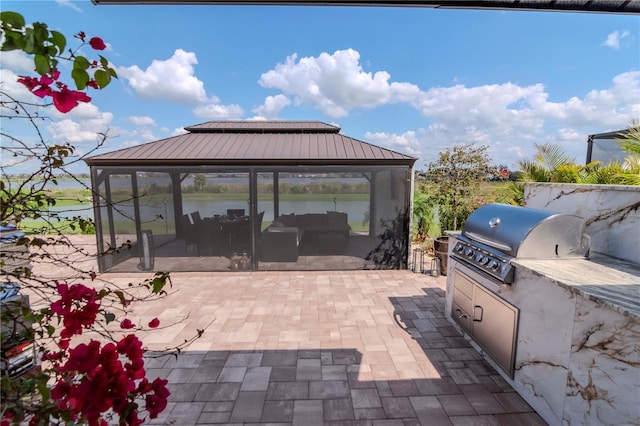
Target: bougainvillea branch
(48,48)
(94,379)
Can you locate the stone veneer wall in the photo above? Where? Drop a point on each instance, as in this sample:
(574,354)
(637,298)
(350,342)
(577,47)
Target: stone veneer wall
(612,213)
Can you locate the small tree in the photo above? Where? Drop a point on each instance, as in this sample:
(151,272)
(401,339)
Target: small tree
(630,143)
(457,176)
(199,182)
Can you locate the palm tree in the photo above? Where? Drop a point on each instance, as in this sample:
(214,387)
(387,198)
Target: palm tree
(630,142)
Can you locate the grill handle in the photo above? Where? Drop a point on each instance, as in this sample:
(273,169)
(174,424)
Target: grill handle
(475,317)
(488,242)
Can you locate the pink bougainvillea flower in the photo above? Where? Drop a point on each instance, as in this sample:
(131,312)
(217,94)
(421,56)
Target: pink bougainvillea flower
(130,346)
(126,324)
(83,358)
(157,401)
(93,84)
(154,323)
(37,86)
(97,44)
(65,100)
(78,306)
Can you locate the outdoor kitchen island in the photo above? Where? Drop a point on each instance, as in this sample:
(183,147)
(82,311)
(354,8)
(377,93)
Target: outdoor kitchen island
(576,344)
(578,340)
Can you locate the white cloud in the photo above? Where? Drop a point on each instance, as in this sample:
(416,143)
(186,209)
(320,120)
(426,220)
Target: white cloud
(613,39)
(501,107)
(407,143)
(9,85)
(219,112)
(69,4)
(335,83)
(178,131)
(17,61)
(172,79)
(272,106)
(511,118)
(142,121)
(82,125)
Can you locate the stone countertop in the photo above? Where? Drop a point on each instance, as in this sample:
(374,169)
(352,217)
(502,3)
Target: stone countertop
(603,279)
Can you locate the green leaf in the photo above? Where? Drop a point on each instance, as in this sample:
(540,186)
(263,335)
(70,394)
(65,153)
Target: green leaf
(80,62)
(158,283)
(120,295)
(81,77)
(41,34)
(29,42)
(104,62)
(44,390)
(11,20)
(58,40)
(10,43)
(109,317)
(42,64)
(102,78)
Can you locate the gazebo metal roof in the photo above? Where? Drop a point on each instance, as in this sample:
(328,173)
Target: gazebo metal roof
(255,143)
(600,6)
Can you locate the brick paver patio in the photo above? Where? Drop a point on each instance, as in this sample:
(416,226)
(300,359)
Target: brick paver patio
(357,347)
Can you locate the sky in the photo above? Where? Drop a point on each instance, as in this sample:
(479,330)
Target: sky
(414,80)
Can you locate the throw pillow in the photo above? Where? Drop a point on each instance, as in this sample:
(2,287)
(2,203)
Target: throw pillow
(289,220)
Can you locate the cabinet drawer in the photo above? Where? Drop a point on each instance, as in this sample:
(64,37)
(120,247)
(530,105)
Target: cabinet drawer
(462,317)
(462,300)
(463,284)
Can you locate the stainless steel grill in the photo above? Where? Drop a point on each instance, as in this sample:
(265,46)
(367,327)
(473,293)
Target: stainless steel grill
(482,258)
(495,234)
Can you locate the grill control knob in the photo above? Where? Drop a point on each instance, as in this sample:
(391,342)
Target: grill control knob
(469,252)
(459,248)
(494,265)
(479,258)
(485,261)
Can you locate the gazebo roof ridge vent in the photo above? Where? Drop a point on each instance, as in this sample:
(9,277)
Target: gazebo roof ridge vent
(263,127)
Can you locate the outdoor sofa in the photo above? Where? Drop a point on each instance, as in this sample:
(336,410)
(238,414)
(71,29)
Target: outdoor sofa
(325,233)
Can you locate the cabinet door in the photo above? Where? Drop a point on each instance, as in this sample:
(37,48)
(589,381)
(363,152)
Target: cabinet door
(495,325)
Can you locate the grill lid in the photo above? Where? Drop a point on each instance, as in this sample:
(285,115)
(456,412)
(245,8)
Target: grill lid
(527,233)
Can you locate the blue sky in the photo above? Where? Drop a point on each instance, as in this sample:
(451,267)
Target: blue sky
(413,80)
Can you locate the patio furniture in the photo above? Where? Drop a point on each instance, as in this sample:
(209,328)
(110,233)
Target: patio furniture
(325,233)
(190,234)
(280,244)
(235,212)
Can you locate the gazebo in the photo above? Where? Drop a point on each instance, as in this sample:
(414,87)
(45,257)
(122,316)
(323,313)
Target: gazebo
(252,195)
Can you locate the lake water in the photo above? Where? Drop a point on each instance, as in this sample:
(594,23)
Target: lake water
(356,210)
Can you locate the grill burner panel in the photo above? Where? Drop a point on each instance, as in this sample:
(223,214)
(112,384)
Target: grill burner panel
(484,259)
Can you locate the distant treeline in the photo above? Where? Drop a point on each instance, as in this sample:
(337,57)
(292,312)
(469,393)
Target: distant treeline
(284,188)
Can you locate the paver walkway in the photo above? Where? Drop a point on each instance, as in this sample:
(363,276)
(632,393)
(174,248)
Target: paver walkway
(357,347)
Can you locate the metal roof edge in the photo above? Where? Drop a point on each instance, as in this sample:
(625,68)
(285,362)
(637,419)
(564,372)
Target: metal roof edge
(609,135)
(588,6)
(252,162)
